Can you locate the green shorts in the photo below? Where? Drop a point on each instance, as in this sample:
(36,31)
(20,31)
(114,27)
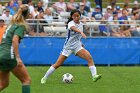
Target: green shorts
(7,64)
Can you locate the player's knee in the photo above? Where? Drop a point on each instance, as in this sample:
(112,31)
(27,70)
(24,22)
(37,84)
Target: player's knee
(90,58)
(26,81)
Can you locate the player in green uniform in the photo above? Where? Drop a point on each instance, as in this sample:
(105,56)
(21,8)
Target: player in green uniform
(10,60)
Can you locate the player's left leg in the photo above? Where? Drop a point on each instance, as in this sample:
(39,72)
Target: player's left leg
(21,73)
(4,79)
(83,53)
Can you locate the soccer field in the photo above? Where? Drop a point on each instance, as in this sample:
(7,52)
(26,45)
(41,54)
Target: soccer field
(116,79)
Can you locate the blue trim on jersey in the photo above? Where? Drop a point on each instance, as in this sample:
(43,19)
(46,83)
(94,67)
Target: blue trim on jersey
(67,37)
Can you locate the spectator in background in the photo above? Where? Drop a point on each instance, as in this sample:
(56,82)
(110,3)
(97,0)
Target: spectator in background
(19,3)
(49,19)
(72,5)
(60,6)
(111,17)
(87,4)
(40,18)
(81,9)
(97,14)
(126,7)
(108,12)
(15,3)
(31,31)
(119,11)
(11,7)
(136,8)
(114,27)
(103,28)
(45,3)
(125,30)
(136,2)
(2,28)
(99,2)
(35,12)
(112,3)
(48,15)
(1,9)
(40,7)
(31,7)
(7,16)
(84,13)
(123,17)
(133,29)
(5,5)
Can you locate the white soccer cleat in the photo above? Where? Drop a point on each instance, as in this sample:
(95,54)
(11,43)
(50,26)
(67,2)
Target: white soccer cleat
(43,80)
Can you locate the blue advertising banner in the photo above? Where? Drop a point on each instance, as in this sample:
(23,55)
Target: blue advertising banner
(104,50)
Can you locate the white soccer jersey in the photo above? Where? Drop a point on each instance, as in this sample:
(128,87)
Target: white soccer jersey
(73,40)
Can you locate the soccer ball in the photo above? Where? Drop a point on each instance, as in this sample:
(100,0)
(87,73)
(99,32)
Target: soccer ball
(67,78)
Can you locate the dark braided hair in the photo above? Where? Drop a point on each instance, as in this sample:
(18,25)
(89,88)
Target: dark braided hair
(72,12)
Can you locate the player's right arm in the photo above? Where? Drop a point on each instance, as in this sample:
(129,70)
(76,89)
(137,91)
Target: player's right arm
(76,30)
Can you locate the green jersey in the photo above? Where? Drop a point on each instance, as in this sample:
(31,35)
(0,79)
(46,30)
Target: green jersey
(7,57)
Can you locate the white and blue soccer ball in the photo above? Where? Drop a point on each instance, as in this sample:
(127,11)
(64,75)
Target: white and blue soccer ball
(67,78)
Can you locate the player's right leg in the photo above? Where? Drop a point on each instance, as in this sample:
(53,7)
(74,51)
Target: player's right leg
(4,79)
(58,63)
(21,73)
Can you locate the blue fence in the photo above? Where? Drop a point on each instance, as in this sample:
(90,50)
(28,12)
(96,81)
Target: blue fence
(106,50)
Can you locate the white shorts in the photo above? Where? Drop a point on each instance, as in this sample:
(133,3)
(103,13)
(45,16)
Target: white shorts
(68,52)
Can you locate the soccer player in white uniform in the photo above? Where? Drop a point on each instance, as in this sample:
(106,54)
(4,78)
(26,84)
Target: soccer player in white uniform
(73,44)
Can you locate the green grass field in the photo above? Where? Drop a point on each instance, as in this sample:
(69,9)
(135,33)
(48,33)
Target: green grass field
(115,79)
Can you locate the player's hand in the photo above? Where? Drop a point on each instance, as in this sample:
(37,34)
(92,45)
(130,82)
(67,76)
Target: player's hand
(19,61)
(83,35)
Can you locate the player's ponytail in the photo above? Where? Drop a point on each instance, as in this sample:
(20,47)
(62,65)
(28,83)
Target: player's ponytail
(21,15)
(25,12)
(70,19)
(72,12)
